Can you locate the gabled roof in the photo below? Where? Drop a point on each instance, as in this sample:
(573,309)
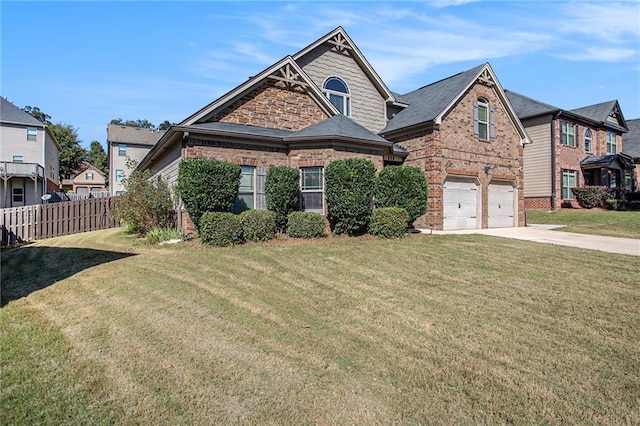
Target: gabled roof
(526,107)
(285,70)
(9,113)
(132,135)
(85,165)
(600,114)
(233,129)
(338,127)
(631,141)
(340,38)
(430,103)
(609,161)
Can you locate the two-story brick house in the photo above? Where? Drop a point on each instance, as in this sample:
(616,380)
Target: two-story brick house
(126,143)
(326,102)
(29,158)
(571,148)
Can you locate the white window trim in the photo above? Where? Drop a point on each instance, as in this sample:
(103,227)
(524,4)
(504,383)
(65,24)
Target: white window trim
(32,131)
(253,186)
(17,159)
(612,143)
(569,193)
(119,176)
(483,103)
(313,190)
(565,126)
(122,150)
(345,96)
(588,140)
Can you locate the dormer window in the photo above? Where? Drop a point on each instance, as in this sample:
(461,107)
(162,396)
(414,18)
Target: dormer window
(338,93)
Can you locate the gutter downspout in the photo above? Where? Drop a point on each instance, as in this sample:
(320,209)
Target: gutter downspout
(553,161)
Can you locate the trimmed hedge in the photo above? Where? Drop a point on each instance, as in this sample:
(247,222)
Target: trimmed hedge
(614,204)
(349,193)
(220,229)
(258,225)
(389,222)
(402,186)
(592,196)
(306,225)
(207,186)
(281,192)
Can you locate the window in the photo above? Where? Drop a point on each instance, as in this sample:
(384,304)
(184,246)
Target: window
(338,93)
(587,140)
(18,195)
(312,189)
(18,158)
(119,175)
(32,132)
(628,182)
(568,183)
(119,193)
(567,134)
(612,143)
(483,120)
(122,150)
(89,175)
(246,192)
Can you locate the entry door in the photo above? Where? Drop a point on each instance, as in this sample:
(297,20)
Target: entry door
(460,204)
(501,199)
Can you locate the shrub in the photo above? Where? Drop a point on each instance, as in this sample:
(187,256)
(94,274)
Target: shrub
(614,204)
(258,225)
(281,192)
(389,222)
(146,203)
(402,186)
(592,196)
(207,186)
(220,229)
(306,225)
(349,192)
(633,205)
(158,235)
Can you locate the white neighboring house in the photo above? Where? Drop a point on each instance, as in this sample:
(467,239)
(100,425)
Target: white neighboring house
(29,158)
(125,142)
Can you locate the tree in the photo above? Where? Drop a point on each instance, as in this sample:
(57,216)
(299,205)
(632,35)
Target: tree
(402,186)
(143,124)
(97,156)
(71,153)
(38,115)
(165,125)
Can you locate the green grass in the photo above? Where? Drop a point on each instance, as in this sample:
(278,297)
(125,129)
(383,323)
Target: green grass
(441,329)
(599,222)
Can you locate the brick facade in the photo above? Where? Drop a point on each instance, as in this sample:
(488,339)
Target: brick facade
(537,203)
(274,105)
(452,150)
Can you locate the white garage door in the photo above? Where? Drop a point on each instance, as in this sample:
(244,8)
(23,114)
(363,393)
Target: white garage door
(460,204)
(501,205)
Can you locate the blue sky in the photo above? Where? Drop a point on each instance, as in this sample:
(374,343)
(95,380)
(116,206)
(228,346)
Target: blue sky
(85,63)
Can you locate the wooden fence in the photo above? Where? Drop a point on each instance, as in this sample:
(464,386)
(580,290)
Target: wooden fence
(21,224)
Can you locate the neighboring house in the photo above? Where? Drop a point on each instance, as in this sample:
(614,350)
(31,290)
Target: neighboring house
(580,147)
(326,102)
(126,143)
(87,179)
(29,158)
(632,148)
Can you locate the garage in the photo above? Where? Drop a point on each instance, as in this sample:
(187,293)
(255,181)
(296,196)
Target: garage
(460,204)
(501,203)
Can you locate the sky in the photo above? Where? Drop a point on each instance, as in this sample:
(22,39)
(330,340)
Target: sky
(86,63)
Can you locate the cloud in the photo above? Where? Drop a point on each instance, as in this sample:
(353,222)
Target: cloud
(604,54)
(449,3)
(612,22)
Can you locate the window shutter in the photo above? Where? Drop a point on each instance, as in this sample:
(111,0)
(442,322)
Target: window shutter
(476,130)
(492,123)
(261,174)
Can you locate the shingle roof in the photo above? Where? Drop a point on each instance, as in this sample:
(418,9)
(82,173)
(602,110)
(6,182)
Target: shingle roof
(598,112)
(241,129)
(526,107)
(631,140)
(9,113)
(426,103)
(126,134)
(340,127)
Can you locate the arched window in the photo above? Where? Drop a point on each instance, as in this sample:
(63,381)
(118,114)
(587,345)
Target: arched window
(587,140)
(484,127)
(338,93)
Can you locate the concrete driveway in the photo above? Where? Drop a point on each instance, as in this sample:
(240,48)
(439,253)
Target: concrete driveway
(546,234)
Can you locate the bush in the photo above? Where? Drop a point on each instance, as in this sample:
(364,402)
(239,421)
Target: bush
(207,186)
(281,193)
(633,205)
(146,203)
(614,204)
(158,235)
(258,225)
(592,196)
(349,192)
(306,225)
(220,229)
(389,222)
(402,186)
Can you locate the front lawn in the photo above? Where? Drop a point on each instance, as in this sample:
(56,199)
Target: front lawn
(600,222)
(99,328)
